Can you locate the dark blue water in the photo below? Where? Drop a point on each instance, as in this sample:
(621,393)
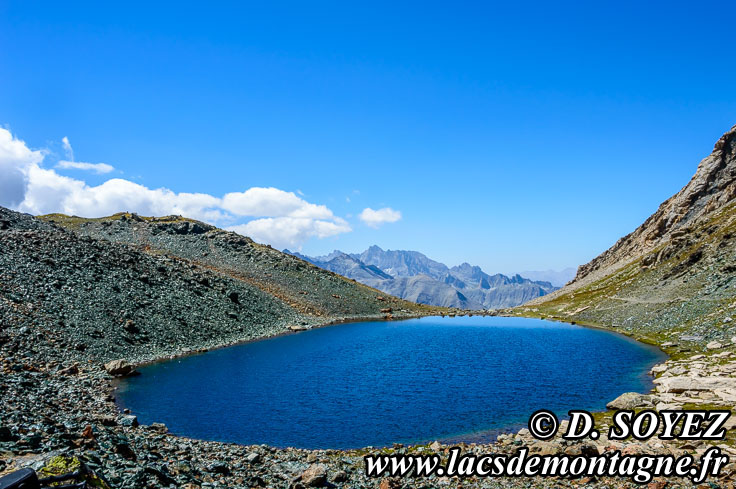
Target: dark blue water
(377,383)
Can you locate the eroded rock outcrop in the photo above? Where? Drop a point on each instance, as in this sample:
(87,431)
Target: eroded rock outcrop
(712,187)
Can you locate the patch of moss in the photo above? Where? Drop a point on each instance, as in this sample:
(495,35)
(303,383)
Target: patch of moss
(64,465)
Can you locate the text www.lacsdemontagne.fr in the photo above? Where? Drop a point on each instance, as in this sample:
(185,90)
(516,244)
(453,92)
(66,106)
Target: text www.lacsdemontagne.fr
(639,468)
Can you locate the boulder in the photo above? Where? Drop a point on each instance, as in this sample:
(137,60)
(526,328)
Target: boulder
(545,448)
(315,476)
(658,369)
(714,345)
(631,400)
(677,385)
(128,420)
(120,368)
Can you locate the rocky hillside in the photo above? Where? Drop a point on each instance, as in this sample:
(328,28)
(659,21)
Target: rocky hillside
(417,278)
(106,300)
(301,286)
(672,279)
(184,285)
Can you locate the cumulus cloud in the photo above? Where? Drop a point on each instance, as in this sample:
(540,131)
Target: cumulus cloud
(290,232)
(15,161)
(272,202)
(277,217)
(70,164)
(374,218)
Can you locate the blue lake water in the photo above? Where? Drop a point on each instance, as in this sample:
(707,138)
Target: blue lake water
(378,383)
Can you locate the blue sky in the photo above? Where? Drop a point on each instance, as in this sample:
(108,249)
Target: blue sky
(512,137)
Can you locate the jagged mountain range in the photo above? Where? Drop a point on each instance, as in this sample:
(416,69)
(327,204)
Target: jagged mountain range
(413,276)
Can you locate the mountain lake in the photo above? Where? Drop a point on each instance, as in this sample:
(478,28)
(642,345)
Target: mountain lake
(383,382)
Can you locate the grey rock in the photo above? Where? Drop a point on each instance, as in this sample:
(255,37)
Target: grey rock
(219,468)
(128,420)
(315,476)
(631,400)
(119,368)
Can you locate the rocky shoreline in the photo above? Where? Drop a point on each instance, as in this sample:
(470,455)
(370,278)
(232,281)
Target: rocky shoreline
(65,411)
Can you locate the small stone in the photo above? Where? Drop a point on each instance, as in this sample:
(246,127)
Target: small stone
(340,476)
(71,370)
(158,427)
(714,345)
(630,400)
(436,446)
(657,484)
(219,468)
(129,420)
(315,476)
(389,484)
(108,421)
(124,450)
(253,458)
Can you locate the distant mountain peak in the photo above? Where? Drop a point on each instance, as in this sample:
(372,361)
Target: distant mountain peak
(413,276)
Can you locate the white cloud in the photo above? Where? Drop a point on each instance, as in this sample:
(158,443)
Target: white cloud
(15,160)
(375,218)
(98,168)
(67,148)
(70,164)
(272,202)
(278,217)
(290,232)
